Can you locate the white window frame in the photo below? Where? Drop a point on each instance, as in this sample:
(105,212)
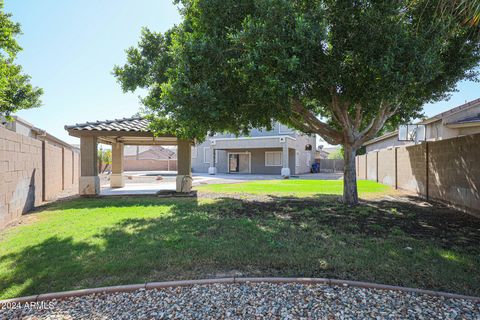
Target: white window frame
(194,152)
(205,154)
(308,159)
(274,165)
(206,151)
(297,158)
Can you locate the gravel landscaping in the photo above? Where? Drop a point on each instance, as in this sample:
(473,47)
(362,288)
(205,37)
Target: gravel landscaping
(254,300)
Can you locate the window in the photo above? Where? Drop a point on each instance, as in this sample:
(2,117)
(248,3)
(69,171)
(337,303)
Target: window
(273,158)
(309,158)
(297,158)
(206,155)
(194,152)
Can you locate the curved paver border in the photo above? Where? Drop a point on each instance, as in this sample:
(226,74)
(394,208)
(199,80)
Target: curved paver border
(235,280)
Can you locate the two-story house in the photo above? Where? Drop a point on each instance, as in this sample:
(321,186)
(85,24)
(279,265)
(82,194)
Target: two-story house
(281,150)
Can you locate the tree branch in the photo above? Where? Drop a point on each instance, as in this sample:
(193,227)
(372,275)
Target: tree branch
(313,124)
(376,124)
(358,116)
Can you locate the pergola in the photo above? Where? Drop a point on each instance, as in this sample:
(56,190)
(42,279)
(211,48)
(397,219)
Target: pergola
(118,133)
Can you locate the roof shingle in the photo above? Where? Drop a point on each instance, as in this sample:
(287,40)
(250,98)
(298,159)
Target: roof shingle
(136,124)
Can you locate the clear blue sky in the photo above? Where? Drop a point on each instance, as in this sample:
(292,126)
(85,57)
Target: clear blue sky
(70,48)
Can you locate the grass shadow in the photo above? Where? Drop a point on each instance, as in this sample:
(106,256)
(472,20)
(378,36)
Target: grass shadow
(135,240)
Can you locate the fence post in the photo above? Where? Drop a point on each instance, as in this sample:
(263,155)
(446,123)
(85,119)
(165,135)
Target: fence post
(366,165)
(63,168)
(396,167)
(73,167)
(43,171)
(376,172)
(426,171)
(356,167)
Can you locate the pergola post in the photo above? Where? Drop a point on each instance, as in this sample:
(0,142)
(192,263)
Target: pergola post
(117,179)
(285,167)
(184,166)
(89,182)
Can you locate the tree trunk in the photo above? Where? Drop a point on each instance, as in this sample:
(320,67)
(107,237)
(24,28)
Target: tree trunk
(350,192)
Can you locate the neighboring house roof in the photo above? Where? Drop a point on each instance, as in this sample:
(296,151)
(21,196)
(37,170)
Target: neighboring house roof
(437,117)
(451,111)
(470,119)
(466,122)
(331,149)
(321,154)
(132,150)
(154,153)
(136,124)
(385,136)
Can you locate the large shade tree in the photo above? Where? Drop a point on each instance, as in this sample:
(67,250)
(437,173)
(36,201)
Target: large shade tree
(339,69)
(16,91)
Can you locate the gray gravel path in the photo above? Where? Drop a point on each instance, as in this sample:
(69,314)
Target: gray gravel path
(255,301)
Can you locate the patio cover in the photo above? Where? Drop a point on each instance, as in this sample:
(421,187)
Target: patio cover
(118,133)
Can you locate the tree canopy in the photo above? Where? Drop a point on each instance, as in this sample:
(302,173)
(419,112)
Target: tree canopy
(16,91)
(340,69)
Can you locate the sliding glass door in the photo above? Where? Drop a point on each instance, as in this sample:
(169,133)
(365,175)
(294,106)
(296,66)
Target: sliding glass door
(239,163)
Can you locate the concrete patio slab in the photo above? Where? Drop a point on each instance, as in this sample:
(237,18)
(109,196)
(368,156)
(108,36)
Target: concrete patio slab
(150,182)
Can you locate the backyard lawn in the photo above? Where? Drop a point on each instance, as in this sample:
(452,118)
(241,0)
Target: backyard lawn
(293,186)
(109,241)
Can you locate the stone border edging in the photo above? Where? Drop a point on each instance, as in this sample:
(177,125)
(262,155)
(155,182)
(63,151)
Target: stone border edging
(181,283)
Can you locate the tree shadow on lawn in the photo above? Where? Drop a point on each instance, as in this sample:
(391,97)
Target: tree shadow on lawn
(399,243)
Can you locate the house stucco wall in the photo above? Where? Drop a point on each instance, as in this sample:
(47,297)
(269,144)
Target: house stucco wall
(385,143)
(257,148)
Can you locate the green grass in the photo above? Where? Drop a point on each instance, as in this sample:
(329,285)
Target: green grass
(293,186)
(99,242)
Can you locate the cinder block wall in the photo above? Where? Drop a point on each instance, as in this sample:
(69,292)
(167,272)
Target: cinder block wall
(20,175)
(21,178)
(361,167)
(411,168)
(371,165)
(386,167)
(454,171)
(53,170)
(68,169)
(61,170)
(447,170)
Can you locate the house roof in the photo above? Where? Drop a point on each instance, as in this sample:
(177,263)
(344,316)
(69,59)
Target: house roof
(130,131)
(149,152)
(442,115)
(470,119)
(383,137)
(437,117)
(136,124)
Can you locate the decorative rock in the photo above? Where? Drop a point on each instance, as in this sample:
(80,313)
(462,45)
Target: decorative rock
(253,300)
